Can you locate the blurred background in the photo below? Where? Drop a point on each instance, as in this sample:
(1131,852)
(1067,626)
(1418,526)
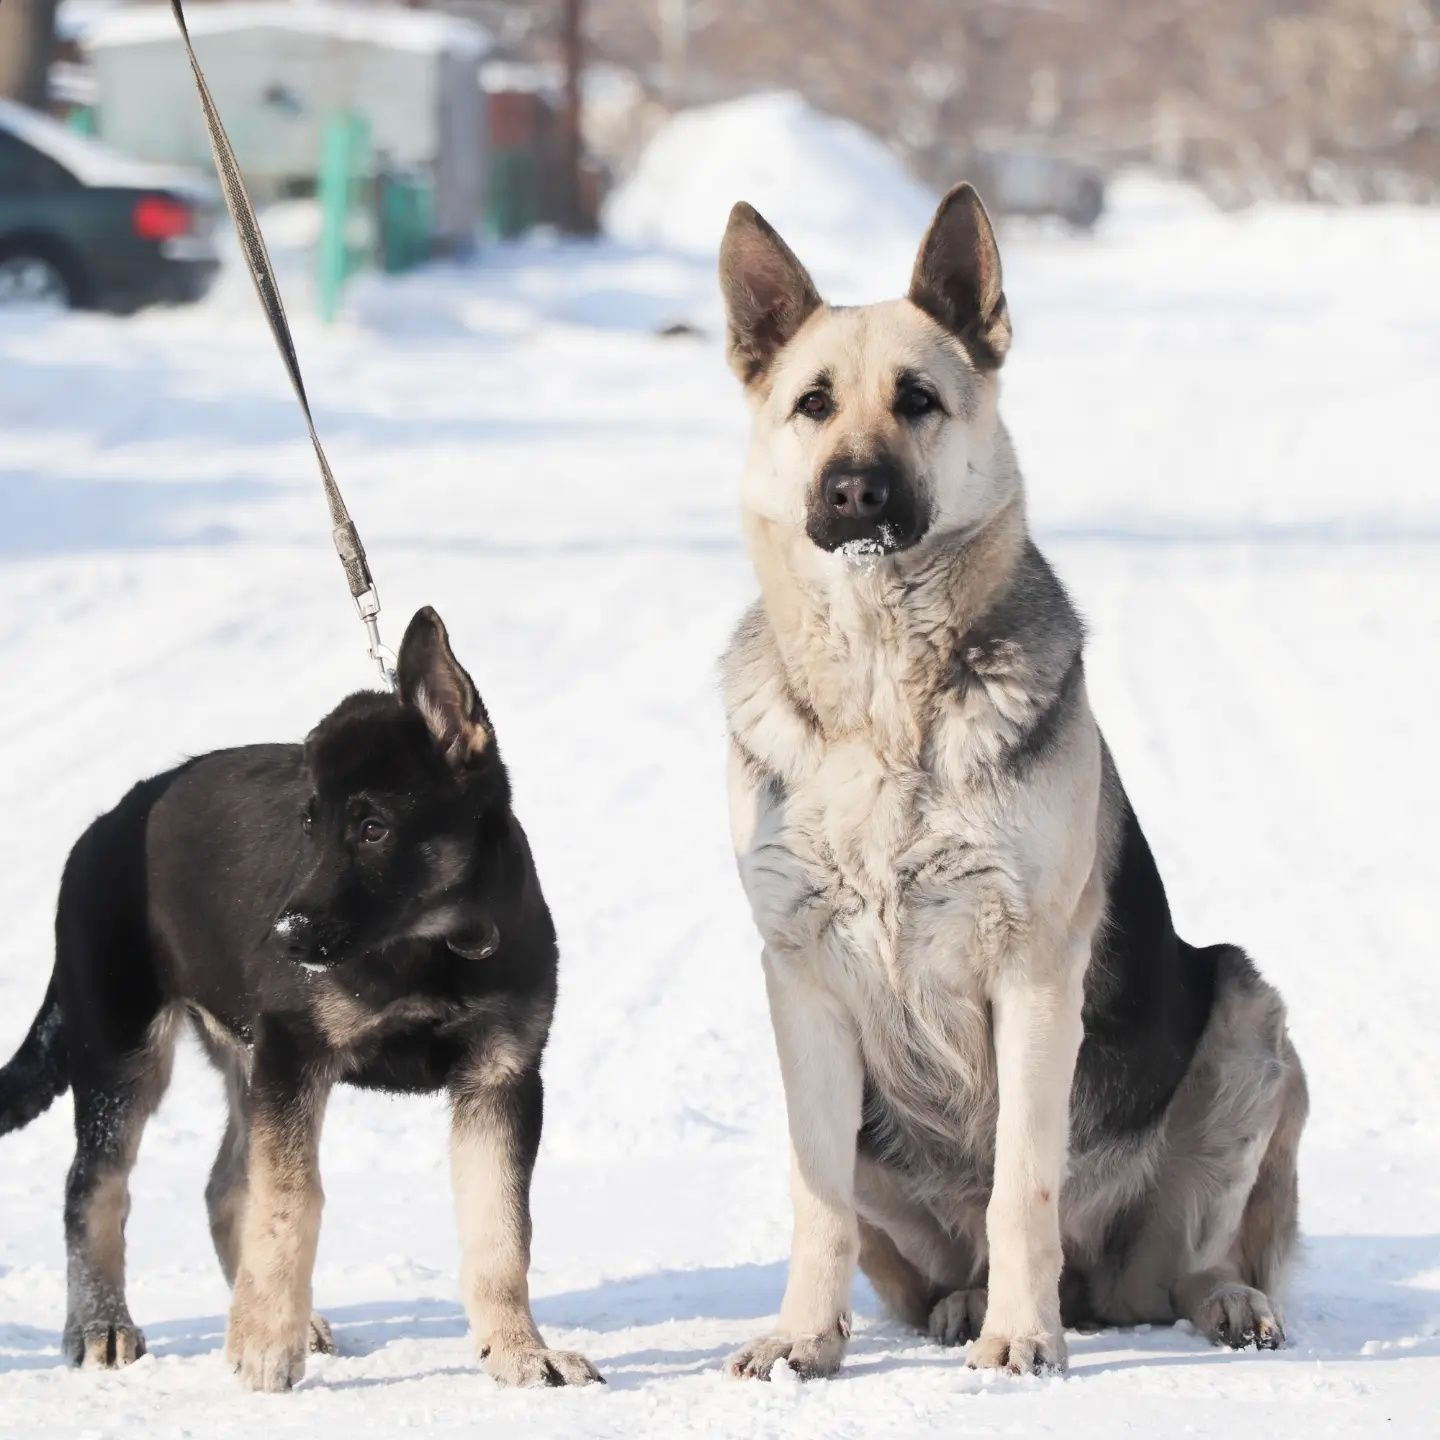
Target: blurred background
(495,226)
(426,128)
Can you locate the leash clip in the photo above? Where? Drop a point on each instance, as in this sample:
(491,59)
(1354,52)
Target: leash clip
(252,243)
(368,605)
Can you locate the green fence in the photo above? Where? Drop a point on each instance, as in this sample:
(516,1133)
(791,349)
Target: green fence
(368,216)
(513,204)
(407,221)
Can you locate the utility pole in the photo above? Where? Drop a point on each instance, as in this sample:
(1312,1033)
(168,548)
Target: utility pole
(27,46)
(573,59)
(675,49)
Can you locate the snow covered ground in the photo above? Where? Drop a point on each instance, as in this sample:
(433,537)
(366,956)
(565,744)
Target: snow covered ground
(1230,426)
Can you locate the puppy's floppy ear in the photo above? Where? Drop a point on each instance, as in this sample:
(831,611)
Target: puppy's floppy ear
(957,278)
(434,682)
(768,294)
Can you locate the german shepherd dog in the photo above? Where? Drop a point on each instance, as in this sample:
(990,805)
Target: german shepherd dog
(362,908)
(1016,1098)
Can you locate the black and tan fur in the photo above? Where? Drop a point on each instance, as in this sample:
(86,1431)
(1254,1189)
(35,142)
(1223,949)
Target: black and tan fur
(1016,1097)
(361,909)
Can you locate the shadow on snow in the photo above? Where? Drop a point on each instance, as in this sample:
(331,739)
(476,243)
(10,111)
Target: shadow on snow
(1356,1299)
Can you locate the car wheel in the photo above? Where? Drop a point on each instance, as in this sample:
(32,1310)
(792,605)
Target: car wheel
(34,281)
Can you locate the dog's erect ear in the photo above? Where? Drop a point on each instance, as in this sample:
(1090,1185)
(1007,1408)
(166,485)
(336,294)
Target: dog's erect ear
(434,682)
(768,294)
(957,277)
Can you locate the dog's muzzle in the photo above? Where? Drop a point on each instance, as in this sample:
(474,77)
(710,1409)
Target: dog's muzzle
(298,940)
(863,509)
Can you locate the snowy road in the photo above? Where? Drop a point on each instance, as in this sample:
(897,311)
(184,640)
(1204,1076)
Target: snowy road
(1230,428)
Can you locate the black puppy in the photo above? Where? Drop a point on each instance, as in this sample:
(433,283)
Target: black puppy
(364,909)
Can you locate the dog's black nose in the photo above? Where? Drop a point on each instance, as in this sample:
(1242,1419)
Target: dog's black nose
(857,494)
(864,506)
(294,934)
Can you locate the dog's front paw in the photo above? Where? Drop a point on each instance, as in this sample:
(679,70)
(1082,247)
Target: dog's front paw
(810,1357)
(530,1368)
(1023,1352)
(104,1344)
(1239,1316)
(265,1356)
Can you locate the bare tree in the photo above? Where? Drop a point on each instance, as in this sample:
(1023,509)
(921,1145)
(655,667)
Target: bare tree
(27,45)
(1322,99)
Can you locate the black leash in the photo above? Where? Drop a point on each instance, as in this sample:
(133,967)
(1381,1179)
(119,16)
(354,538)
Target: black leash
(252,242)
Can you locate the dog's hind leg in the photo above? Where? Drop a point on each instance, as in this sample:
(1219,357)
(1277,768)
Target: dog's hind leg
(902,1289)
(1270,1226)
(113,1100)
(925,1275)
(119,1032)
(1234,1302)
(226,1189)
(1219,1224)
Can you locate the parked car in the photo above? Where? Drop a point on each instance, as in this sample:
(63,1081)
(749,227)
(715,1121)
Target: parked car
(1035,182)
(83,225)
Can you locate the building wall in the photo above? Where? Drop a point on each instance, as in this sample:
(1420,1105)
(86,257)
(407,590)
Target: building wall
(275,90)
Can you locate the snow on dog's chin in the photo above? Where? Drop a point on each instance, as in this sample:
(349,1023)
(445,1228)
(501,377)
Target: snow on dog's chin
(868,550)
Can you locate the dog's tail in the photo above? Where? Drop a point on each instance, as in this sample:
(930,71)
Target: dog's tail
(40,1072)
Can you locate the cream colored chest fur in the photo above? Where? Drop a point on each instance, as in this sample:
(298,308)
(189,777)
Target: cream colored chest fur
(901,880)
(863,867)
(876,888)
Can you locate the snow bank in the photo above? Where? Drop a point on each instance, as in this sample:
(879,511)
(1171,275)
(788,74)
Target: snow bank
(836,193)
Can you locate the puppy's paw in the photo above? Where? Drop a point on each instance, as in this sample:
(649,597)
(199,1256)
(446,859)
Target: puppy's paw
(532,1368)
(810,1357)
(959,1317)
(104,1344)
(1239,1316)
(1024,1352)
(322,1337)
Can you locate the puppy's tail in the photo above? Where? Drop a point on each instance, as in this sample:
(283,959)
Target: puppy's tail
(40,1072)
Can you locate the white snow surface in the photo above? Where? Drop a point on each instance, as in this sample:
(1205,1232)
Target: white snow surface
(1230,429)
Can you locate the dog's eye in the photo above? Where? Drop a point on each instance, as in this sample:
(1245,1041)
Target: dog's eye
(307,820)
(814,405)
(913,402)
(373,831)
